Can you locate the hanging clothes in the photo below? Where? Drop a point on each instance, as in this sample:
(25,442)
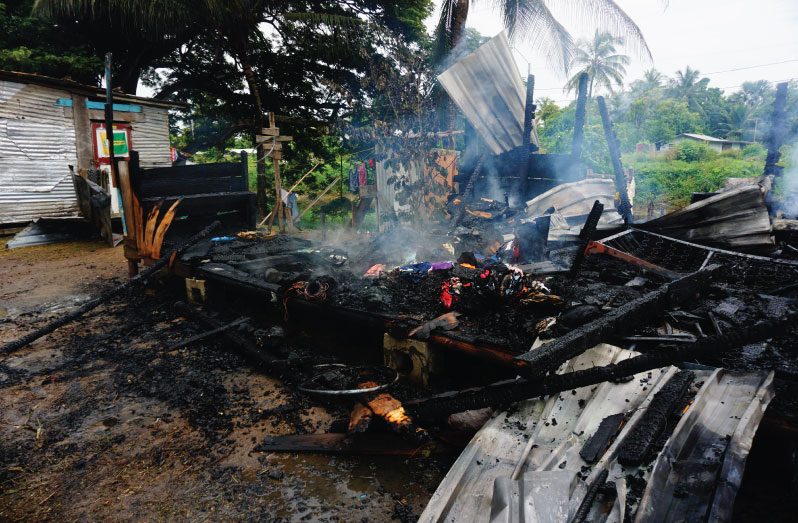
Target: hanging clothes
(362,177)
(353,181)
(294,206)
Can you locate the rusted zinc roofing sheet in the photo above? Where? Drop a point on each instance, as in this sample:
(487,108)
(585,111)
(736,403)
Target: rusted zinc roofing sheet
(736,219)
(71,86)
(486,86)
(529,463)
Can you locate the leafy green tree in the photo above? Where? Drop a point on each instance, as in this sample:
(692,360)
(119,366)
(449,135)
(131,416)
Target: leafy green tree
(599,58)
(556,136)
(687,86)
(652,80)
(670,118)
(31,45)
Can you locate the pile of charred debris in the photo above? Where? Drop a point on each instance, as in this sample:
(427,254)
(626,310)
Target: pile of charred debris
(626,334)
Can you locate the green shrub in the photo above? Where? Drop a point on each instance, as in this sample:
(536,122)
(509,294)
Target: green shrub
(694,152)
(674,182)
(754,151)
(732,153)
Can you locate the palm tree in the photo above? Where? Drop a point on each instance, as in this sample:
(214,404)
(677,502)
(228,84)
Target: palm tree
(600,60)
(737,121)
(523,18)
(687,86)
(652,80)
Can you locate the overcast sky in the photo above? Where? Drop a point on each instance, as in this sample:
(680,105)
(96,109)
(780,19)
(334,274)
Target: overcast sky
(709,35)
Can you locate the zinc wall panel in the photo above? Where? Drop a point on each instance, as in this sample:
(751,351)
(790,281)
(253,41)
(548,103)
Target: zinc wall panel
(37,144)
(150,138)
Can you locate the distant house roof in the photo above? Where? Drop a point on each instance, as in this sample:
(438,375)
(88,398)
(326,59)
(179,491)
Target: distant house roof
(83,89)
(705,138)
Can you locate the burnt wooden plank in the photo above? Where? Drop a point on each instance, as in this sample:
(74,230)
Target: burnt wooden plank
(637,445)
(597,443)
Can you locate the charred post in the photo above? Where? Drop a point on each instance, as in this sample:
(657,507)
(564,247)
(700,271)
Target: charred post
(579,118)
(624,206)
(586,234)
(529,109)
(777,132)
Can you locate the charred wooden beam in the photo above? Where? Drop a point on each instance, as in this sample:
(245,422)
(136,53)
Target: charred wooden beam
(586,235)
(511,391)
(624,207)
(207,334)
(616,322)
(529,109)
(237,340)
(579,118)
(105,297)
(650,427)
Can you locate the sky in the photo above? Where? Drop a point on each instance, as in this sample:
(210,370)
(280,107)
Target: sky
(712,36)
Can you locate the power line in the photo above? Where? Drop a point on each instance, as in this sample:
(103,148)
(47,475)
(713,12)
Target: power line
(752,67)
(705,74)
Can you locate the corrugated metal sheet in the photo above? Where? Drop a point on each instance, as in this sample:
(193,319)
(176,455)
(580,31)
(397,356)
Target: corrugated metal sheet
(37,143)
(150,137)
(487,88)
(737,219)
(541,437)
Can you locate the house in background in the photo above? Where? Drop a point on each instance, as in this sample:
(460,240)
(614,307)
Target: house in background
(48,124)
(717,144)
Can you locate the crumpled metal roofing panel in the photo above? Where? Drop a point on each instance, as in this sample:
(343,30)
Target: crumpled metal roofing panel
(508,472)
(487,88)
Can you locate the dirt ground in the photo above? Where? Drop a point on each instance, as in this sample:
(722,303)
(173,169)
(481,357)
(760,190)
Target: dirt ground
(100,421)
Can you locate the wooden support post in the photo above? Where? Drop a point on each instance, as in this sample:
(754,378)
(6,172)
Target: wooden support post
(292,189)
(272,134)
(624,207)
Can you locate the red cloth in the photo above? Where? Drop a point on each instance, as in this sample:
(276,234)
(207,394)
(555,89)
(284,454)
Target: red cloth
(361,174)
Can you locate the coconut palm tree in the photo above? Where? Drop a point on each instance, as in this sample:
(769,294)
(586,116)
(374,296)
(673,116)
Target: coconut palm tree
(737,122)
(687,86)
(652,80)
(533,21)
(598,58)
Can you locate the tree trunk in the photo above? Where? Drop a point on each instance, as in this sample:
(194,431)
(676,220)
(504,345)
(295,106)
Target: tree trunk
(459,16)
(260,152)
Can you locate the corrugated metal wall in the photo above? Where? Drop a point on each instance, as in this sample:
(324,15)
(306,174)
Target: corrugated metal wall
(37,143)
(150,137)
